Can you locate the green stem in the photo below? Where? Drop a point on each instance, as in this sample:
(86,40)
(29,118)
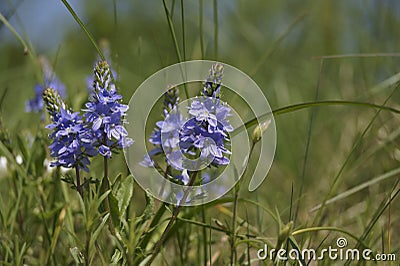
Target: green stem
(233,239)
(171,222)
(183,31)
(80,23)
(171,29)
(106,201)
(174,39)
(201,28)
(78,182)
(87,244)
(235,204)
(308,142)
(216,29)
(204,231)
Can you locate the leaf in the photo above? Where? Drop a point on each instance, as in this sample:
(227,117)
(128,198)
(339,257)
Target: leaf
(77,255)
(38,155)
(124,195)
(117,182)
(114,210)
(98,230)
(116,257)
(294,244)
(57,229)
(150,207)
(23,147)
(10,157)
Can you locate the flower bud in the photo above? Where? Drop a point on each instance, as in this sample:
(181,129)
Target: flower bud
(52,101)
(260,129)
(171,99)
(213,82)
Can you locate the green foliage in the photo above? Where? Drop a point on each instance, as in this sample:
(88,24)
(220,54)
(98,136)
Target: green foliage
(338,110)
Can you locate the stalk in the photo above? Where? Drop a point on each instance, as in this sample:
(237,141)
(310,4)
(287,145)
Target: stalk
(171,222)
(78,182)
(106,201)
(235,204)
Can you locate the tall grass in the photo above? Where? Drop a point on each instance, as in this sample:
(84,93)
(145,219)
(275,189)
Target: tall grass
(331,77)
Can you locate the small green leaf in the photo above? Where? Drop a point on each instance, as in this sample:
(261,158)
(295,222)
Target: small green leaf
(116,257)
(23,147)
(124,195)
(117,182)
(150,207)
(114,210)
(77,255)
(38,155)
(98,230)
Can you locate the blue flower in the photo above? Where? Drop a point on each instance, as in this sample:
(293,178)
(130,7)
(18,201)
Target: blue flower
(212,111)
(36,104)
(169,139)
(106,114)
(72,143)
(50,81)
(200,135)
(207,129)
(166,134)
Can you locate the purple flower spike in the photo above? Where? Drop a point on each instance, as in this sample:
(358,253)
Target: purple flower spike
(105,113)
(208,128)
(71,141)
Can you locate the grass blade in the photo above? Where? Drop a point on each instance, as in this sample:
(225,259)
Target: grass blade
(85,30)
(306,105)
(360,187)
(356,144)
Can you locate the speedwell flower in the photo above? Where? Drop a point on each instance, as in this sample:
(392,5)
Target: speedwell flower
(207,129)
(71,141)
(50,81)
(105,113)
(169,137)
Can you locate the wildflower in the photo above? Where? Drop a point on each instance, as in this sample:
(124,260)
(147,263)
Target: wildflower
(105,113)
(71,141)
(50,81)
(207,129)
(165,136)
(105,48)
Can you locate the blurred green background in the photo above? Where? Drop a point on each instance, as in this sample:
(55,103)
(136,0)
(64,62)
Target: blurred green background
(279,44)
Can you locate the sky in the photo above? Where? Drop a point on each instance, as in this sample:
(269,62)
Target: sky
(45,23)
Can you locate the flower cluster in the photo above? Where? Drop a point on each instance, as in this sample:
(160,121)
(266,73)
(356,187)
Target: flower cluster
(50,81)
(207,129)
(168,139)
(169,126)
(71,141)
(205,132)
(105,113)
(105,48)
(75,138)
